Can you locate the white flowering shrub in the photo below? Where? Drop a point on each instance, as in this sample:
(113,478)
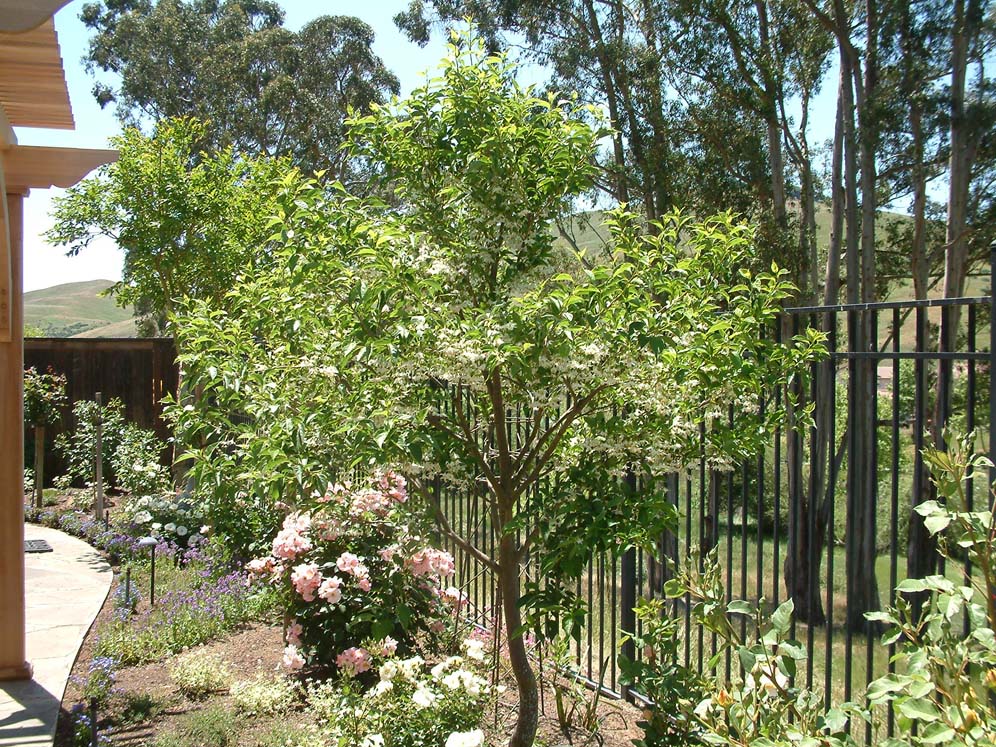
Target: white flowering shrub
(137,462)
(264,695)
(198,674)
(168,517)
(410,705)
(454,340)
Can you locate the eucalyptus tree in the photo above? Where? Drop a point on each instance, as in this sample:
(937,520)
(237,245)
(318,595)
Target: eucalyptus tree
(449,338)
(266,90)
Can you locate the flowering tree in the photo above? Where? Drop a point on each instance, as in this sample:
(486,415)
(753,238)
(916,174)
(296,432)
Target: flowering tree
(44,398)
(452,338)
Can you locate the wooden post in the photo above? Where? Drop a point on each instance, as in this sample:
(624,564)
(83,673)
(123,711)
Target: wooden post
(39,465)
(13,664)
(98,460)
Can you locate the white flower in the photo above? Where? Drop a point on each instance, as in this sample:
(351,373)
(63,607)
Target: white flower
(143,517)
(388,670)
(380,688)
(474,649)
(462,678)
(703,709)
(171,527)
(423,698)
(181,531)
(473,738)
(372,740)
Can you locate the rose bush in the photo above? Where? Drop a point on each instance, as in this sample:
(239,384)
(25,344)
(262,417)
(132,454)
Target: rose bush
(355,576)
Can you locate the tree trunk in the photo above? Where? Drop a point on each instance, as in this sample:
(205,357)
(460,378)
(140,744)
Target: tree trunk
(525,679)
(922,555)
(804,554)
(39,465)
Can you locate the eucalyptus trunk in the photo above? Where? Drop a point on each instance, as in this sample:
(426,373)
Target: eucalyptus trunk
(922,555)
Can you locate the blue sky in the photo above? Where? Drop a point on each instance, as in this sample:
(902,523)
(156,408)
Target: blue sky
(45,265)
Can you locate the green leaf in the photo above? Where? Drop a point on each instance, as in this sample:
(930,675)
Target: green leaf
(781,618)
(919,710)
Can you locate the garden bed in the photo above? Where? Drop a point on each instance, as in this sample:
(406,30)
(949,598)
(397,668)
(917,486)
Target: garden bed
(146,707)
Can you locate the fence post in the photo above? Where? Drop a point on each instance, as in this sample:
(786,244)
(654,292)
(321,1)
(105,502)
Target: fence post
(98,461)
(627,596)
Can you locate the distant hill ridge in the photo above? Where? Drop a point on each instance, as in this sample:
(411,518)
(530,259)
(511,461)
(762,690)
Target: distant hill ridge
(73,309)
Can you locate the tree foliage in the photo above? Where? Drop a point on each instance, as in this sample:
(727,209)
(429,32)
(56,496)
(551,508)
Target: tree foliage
(188,222)
(265,89)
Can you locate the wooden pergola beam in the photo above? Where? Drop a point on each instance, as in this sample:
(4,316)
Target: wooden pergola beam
(32,94)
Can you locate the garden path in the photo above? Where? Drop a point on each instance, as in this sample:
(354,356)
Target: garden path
(65,590)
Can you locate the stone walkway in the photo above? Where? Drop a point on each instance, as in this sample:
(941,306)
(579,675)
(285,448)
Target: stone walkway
(65,590)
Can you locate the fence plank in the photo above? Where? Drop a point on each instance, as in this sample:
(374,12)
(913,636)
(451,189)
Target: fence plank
(138,371)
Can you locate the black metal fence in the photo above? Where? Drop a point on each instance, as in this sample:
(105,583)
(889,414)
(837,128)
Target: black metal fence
(824,514)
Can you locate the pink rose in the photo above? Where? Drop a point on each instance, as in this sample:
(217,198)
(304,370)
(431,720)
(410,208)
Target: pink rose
(387,647)
(353,661)
(306,579)
(431,561)
(347,562)
(293,633)
(330,591)
(364,584)
(292,658)
(260,566)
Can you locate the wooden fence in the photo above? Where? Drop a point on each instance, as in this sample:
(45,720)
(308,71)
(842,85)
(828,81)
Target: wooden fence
(139,372)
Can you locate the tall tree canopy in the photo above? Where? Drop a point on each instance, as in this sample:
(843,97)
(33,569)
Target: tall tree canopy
(264,88)
(189,222)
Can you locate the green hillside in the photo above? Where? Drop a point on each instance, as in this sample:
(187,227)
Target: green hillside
(71,308)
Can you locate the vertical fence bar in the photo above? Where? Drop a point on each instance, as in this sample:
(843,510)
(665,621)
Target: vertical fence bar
(812,552)
(970,427)
(852,482)
(831,503)
(894,494)
(627,593)
(873,495)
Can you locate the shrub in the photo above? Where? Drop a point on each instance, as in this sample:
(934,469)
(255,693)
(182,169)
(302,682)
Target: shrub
(658,676)
(944,682)
(136,462)
(98,684)
(44,396)
(166,516)
(411,705)
(763,705)
(264,695)
(198,674)
(353,573)
(77,447)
